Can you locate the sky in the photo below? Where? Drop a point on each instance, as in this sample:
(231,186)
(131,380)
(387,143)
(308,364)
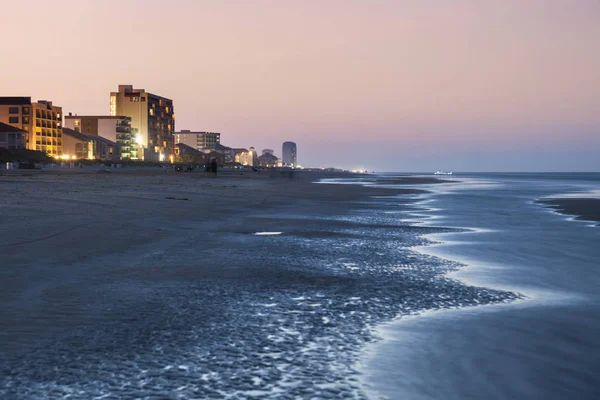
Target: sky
(387,85)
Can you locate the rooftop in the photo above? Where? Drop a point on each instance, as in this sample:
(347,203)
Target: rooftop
(5,128)
(10,101)
(82,136)
(95,116)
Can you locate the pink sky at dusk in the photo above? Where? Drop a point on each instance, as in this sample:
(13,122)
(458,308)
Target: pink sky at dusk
(406,85)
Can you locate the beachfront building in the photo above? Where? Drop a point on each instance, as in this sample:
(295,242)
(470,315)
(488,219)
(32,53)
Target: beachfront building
(115,128)
(152,119)
(41,121)
(11,137)
(227,152)
(289,154)
(188,154)
(246,157)
(198,140)
(267,160)
(79,146)
(215,155)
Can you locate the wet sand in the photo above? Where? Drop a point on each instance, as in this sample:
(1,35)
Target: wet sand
(150,283)
(584,209)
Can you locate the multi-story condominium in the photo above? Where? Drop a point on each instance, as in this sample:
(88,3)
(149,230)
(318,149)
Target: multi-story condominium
(42,122)
(152,118)
(114,128)
(198,140)
(289,154)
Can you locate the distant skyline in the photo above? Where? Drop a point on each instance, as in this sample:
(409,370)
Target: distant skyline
(387,85)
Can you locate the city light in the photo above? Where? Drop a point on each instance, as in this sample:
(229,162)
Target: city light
(139,140)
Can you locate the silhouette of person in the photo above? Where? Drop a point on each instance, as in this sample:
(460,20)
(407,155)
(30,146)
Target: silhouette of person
(213,166)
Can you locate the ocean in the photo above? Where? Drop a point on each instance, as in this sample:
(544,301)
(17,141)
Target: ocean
(542,346)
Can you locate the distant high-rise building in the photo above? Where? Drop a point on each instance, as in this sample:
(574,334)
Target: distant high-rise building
(289,154)
(268,151)
(41,121)
(198,140)
(152,120)
(114,128)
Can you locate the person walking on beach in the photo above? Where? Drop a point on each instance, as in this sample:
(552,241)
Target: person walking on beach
(207,168)
(213,166)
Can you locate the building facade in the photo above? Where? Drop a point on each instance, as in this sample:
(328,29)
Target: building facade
(188,154)
(11,137)
(228,152)
(246,157)
(116,128)
(41,120)
(79,146)
(289,154)
(198,140)
(152,119)
(268,160)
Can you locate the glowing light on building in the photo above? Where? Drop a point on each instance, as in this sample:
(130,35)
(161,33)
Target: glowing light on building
(161,157)
(139,140)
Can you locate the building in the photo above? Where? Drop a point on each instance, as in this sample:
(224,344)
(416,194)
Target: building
(268,160)
(289,155)
(11,137)
(42,122)
(79,146)
(215,155)
(188,154)
(228,152)
(152,121)
(198,140)
(268,151)
(246,157)
(115,128)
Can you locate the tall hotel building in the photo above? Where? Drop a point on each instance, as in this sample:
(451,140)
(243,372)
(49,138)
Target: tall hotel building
(152,120)
(42,122)
(289,154)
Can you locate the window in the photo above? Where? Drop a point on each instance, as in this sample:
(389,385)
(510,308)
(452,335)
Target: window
(25,110)
(13,110)
(13,120)
(26,120)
